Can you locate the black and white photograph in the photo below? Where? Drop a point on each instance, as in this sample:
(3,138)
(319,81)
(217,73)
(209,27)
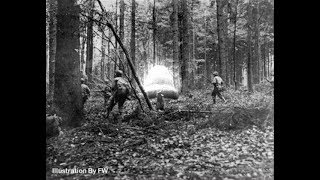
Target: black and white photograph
(159,89)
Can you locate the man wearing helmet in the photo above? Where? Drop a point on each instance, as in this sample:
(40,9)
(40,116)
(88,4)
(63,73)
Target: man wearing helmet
(85,91)
(217,87)
(120,92)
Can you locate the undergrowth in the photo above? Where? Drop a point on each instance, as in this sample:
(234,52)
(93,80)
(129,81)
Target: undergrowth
(170,144)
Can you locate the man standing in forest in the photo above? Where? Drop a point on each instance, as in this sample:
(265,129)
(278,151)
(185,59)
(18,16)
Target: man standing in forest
(217,87)
(85,91)
(120,92)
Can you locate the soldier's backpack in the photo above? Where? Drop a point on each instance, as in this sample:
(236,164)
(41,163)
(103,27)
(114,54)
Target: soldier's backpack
(122,87)
(220,86)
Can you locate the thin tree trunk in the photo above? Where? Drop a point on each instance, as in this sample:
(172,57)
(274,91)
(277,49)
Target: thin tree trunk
(234,46)
(263,49)
(222,30)
(47,45)
(206,64)
(52,46)
(193,45)
(256,64)
(89,57)
(184,47)
(122,9)
(67,89)
(249,68)
(175,42)
(116,63)
(133,34)
(109,59)
(239,67)
(268,60)
(82,61)
(154,30)
(103,55)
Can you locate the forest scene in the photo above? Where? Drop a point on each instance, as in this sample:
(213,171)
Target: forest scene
(160,89)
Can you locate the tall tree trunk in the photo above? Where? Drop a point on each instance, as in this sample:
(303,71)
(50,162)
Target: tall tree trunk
(67,89)
(234,46)
(263,56)
(268,60)
(103,53)
(193,45)
(109,59)
(249,68)
(184,46)
(145,58)
(47,45)
(206,64)
(217,62)
(222,31)
(82,61)
(154,26)
(239,65)
(89,56)
(213,61)
(116,63)
(133,33)
(52,46)
(122,9)
(256,62)
(175,30)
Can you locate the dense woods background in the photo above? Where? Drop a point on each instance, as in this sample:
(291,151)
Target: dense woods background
(191,37)
(192,138)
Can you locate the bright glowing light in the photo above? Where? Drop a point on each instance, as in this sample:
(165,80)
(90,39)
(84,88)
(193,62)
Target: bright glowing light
(160,79)
(159,75)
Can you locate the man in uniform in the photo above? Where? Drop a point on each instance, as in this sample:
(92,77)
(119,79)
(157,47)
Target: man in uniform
(120,92)
(217,87)
(106,92)
(85,91)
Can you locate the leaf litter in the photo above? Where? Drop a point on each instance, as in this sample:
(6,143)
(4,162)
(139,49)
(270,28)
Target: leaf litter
(235,141)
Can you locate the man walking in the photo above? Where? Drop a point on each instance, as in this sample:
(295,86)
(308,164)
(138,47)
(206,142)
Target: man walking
(106,92)
(217,87)
(120,92)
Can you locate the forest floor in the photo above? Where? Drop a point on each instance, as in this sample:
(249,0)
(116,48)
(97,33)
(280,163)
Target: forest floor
(191,139)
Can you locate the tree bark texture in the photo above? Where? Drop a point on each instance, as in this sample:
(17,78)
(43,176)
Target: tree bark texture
(122,9)
(103,53)
(249,68)
(234,47)
(67,89)
(256,57)
(184,46)
(175,30)
(109,65)
(154,24)
(52,45)
(133,34)
(47,45)
(116,63)
(222,32)
(82,51)
(89,56)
